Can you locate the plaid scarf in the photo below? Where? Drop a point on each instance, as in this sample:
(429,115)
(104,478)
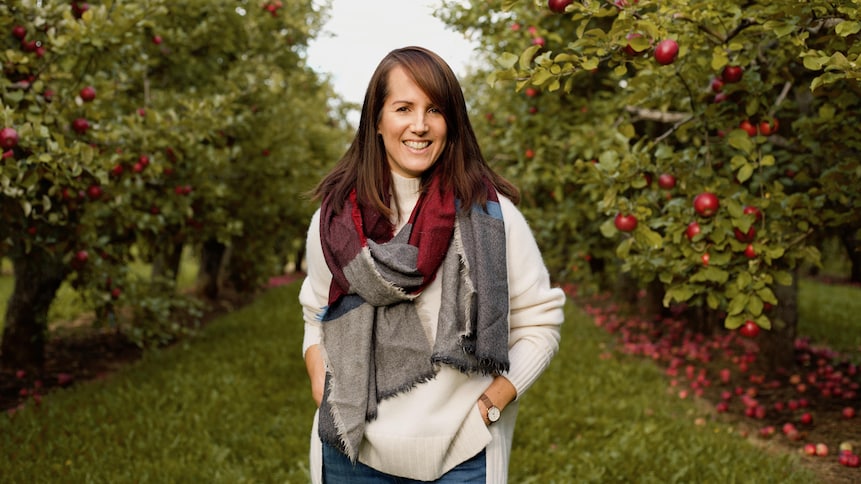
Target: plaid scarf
(373,340)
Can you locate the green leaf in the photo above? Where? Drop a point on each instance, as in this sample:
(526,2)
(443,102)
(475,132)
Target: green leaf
(679,293)
(733,322)
(711,274)
(745,172)
(783,278)
(847,28)
(814,62)
(739,139)
(527,55)
(646,236)
(540,76)
(738,304)
(712,300)
(780,29)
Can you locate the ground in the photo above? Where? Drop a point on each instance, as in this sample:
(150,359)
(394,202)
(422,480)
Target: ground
(85,354)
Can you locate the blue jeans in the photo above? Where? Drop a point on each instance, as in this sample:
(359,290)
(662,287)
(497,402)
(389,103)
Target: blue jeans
(337,469)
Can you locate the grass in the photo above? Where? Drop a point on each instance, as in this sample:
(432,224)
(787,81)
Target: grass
(233,405)
(828,313)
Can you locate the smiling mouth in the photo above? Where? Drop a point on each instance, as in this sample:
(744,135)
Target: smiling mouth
(417,145)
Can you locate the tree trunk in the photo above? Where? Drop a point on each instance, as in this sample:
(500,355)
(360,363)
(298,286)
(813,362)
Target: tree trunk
(38,275)
(777,346)
(166,262)
(209,274)
(852,244)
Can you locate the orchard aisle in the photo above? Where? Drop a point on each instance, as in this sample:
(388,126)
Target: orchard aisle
(232,404)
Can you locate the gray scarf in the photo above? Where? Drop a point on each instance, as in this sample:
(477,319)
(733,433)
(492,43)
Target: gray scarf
(373,341)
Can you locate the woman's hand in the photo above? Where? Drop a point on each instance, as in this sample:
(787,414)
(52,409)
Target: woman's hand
(501,392)
(316,372)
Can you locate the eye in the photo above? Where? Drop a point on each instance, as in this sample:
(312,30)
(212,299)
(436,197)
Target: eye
(434,110)
(402,109)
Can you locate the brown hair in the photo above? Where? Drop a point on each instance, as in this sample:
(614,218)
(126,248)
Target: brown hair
(461,165)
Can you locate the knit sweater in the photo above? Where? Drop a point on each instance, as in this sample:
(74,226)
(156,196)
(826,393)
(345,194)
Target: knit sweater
(425,432)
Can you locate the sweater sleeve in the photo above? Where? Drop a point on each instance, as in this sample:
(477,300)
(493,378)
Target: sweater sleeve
(536,308)
(315,288)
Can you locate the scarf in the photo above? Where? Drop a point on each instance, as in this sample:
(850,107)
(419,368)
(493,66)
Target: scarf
(373,340)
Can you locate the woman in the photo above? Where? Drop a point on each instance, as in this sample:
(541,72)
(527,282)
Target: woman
(428,308)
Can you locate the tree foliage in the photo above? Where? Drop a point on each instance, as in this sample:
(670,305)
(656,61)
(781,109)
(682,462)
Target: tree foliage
(147,126)
(593,120)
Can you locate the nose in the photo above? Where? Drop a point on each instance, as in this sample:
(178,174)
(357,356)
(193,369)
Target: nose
(419,123)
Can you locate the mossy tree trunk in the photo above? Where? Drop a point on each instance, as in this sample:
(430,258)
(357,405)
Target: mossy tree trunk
(38,275)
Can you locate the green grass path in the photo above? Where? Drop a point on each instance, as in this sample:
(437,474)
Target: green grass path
(232,406)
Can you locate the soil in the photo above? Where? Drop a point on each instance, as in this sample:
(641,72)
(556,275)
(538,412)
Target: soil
(79,353)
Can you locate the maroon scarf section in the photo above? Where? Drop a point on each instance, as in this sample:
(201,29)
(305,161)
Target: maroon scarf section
(345,234)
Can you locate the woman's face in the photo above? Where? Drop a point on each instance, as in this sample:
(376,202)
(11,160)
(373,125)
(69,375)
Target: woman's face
(412,128)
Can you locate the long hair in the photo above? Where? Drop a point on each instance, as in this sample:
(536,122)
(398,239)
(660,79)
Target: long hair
(461,165)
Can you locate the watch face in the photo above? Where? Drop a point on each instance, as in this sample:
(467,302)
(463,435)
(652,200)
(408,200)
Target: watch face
(493,414)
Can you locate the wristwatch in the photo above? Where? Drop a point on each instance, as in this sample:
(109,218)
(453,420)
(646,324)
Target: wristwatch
(492,410)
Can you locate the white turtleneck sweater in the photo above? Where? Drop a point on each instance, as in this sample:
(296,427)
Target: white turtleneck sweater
(423,433)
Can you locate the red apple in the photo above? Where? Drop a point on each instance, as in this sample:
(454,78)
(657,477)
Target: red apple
(751,210)
(626,222)
(558,6)
(749,329)
(666,181)
(80,125)
(530,153)
(821,450)
(717,84)
(82,256)
(750,251)
(706,258)
(706,204)
(116,293)
(19,32)
(692,230)
(531,92)
(848,412)
(666,51)
(749,127)
(8,138)
(88,93)
(156,39)
(744,236)
(806,418)
(810,449)
(143,160)
(731,74)
(94,192)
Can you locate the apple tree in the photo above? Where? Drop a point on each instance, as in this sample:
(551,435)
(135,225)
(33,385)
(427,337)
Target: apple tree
(133,132)
(724,129)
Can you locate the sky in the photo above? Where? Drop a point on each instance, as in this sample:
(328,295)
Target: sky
(360,33)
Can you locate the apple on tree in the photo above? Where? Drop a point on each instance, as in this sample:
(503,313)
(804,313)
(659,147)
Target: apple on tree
(666,51)
(80,125)
(666,181)
(88,93)
(625,222)
(749,329)
(706,204)
(8,138)
(732,74)
(693,230)
(558,6)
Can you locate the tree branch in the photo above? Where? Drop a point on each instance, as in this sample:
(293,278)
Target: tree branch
(658,116)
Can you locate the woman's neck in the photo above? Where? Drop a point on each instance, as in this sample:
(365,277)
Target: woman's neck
(407,191)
